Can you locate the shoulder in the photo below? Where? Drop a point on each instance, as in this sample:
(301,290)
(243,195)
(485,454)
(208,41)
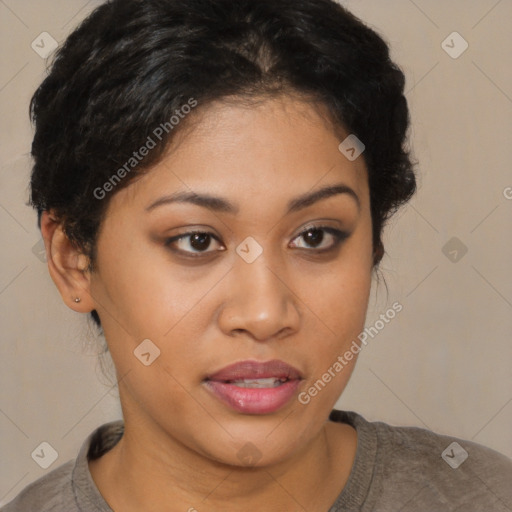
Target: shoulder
(424,469)
(51,492)
(416,446)
(444,469)
(70,487)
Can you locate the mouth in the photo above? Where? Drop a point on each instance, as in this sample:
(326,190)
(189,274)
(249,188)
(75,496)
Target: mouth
(257,383)
(251,387)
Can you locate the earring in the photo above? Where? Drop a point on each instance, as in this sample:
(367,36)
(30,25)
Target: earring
(78,299)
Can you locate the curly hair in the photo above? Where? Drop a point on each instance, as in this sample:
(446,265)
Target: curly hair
(132,64)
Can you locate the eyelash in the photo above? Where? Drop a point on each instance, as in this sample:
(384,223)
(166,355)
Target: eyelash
(339,237)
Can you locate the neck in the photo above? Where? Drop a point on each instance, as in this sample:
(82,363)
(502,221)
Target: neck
(150,471)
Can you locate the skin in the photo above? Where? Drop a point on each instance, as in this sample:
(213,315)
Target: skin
(292,303)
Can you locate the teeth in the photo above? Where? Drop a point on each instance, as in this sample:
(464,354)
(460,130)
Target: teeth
(258,383)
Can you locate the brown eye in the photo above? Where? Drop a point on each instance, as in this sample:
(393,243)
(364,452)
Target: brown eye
(314,237)
(200,241)
(193,244)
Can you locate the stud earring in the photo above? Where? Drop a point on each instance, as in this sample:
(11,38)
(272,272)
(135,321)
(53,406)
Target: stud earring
(78,299)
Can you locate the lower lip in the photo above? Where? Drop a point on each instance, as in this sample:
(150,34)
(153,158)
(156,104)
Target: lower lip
(254,400)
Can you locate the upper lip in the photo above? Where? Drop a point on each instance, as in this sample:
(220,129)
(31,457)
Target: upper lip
(256,370)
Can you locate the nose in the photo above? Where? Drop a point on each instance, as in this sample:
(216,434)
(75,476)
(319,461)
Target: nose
(259,302)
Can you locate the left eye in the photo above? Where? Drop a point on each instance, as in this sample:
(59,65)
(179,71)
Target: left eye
(314,238)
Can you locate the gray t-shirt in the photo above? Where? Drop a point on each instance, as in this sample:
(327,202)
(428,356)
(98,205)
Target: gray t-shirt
(396,469)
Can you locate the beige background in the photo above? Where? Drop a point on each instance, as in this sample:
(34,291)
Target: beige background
(444,362)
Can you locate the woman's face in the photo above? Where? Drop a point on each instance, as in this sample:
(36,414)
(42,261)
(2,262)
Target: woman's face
(279,273)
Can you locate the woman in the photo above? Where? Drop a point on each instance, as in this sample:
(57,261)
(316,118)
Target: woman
(212,180)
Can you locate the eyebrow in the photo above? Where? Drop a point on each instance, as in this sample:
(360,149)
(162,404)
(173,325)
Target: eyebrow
(220,204)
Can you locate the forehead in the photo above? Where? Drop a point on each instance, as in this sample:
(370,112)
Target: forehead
(270,150)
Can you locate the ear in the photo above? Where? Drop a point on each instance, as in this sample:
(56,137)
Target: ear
(67,265)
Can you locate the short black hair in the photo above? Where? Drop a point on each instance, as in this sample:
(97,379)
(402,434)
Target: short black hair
(132,65)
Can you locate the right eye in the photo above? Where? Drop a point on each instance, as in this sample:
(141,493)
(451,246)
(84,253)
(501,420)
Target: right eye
(193,244)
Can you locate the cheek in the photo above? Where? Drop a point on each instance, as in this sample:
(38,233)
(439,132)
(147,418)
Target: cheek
(339,295)
(336,312)
(142,293)
(339,307)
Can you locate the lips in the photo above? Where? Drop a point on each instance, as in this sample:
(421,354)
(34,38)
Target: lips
(252,387)
(255,370)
